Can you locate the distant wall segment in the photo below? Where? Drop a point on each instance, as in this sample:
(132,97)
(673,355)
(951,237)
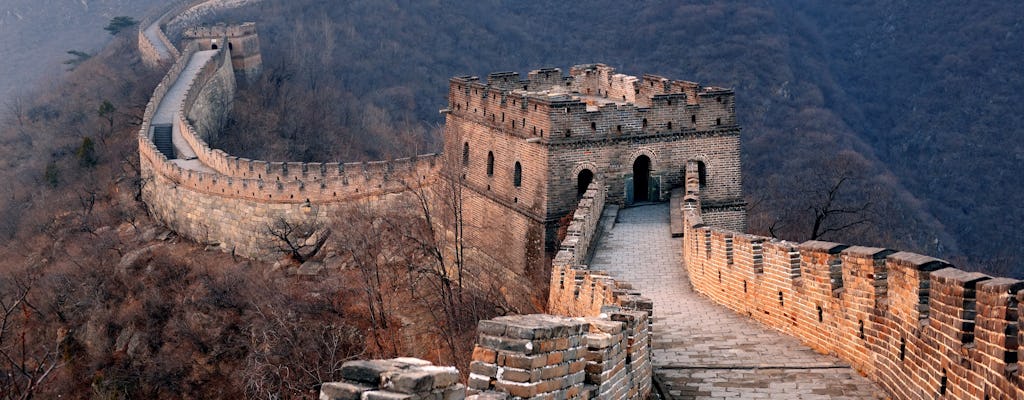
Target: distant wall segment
(221,199)
(912,323)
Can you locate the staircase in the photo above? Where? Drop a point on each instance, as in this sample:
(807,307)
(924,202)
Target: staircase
(162,140)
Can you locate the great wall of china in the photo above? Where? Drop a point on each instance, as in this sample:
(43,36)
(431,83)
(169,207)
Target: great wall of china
(910,323)
(213,197)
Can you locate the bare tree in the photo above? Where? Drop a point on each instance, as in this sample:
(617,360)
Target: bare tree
(827,203)
(299,240)
(26,361)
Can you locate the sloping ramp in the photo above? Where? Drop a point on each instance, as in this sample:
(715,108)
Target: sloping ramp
(702,350)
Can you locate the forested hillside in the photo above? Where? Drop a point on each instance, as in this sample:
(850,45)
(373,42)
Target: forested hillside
(888,123)
(916,106)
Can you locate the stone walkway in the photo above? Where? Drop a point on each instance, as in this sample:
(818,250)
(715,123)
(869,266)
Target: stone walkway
(169,108)
(152,36)
(703,350)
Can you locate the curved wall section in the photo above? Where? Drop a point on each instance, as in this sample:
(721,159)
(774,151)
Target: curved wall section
(213,197)
(912,323)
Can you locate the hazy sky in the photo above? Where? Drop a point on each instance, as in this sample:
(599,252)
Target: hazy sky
(35,36)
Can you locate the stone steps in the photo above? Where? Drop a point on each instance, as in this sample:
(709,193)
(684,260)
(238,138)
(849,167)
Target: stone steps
(162,140)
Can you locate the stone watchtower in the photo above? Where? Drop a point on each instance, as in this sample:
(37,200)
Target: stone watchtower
(242,42)
(528,148)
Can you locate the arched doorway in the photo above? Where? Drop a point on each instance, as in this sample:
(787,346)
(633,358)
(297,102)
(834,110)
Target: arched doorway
(583,181)
(641,178)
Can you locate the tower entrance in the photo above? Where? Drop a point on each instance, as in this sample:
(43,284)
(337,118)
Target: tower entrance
(641,178)
(583,181)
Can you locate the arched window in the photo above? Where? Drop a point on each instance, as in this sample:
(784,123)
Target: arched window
(645,123)
(517,176)
(465,154)
(490,163)
(669,125)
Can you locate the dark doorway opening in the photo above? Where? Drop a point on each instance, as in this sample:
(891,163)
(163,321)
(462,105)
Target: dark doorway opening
(583,182)
(641,178)
(213,46)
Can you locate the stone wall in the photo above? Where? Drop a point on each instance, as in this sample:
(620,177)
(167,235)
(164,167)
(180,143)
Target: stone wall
(597,347)
(231,201)
(917,326)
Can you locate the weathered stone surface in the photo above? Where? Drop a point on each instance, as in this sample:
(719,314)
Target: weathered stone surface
(343,391)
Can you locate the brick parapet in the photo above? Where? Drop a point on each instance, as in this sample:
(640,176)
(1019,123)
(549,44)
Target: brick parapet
(910,322)
(546,356)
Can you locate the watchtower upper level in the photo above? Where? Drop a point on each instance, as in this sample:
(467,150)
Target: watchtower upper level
(242,41)
(591,103)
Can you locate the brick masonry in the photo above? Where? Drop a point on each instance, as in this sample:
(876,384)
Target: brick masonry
(912,323)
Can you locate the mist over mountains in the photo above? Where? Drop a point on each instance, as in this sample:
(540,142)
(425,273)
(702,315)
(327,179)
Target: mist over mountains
(36,34)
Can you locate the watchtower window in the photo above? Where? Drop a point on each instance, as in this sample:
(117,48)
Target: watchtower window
(593,126)
(645,122)
(718,121)
(535,130)
(490,163)
(230,46)
(517,176)
(465,154)
(513,124)
(618,128)
(568,132)
(693,119)
(669,125)
(502,117)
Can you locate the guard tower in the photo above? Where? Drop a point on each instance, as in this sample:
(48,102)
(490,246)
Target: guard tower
(528,148)
(242,42)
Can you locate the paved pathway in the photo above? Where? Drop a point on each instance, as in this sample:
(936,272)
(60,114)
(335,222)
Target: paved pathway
(152,35)
(169,107)
(703,350)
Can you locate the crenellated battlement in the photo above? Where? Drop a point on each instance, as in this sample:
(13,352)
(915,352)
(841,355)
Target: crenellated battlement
(912,323)
(221,30)
(592,102)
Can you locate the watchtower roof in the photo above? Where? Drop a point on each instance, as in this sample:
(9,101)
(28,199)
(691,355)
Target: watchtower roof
(595,85)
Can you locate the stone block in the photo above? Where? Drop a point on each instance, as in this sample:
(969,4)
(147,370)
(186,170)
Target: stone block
(343,391)
(411,381)
(366,371)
